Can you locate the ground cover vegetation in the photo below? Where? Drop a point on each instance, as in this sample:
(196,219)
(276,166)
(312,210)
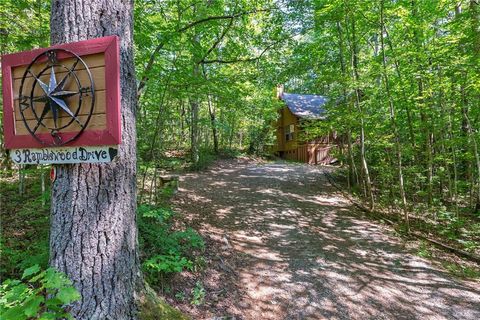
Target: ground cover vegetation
(403,78)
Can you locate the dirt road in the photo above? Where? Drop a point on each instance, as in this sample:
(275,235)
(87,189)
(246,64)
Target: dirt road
(293,248)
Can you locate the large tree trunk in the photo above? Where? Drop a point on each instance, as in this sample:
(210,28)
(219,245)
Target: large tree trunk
(93,229)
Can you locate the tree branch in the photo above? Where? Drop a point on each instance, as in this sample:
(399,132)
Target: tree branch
(151,61)
(242,59)
(217,42)
(143,81)
(224,17)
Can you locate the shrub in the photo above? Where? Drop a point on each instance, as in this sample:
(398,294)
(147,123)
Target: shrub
(166,251)
(39,294)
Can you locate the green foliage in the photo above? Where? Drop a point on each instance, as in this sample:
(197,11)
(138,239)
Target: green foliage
(169,263)
(462,271)
(223,67)
(40,294)
(166,250)
(402,77)
(24,24)
(159,214)
(206,158)
(198,294)
(180,296)
(25,225)
(423,250)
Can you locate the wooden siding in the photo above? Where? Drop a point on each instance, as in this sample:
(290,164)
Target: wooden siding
(317,151)
(286,118)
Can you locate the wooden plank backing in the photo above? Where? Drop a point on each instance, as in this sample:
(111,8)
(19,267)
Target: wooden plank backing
(98,75)
(97,122)
(92,61)
(99,107)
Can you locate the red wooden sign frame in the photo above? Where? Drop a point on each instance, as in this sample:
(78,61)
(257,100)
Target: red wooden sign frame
(109,136)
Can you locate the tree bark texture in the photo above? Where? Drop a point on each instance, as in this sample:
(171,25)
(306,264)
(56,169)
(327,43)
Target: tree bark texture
(93,227)
(213,123)
(194,133)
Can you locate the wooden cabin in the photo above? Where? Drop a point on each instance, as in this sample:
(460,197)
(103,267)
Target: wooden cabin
(298,108)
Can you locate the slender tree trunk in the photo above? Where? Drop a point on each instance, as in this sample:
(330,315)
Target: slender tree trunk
(352,168)
(93,235)
(194,153)
(159,126)
(402,86)
(194,132)
(194,108)
(393,120)
(425,123)
(354,171)
(213,120)
(473,140)
(42,188)
(454,166)
(213,123)
(427,147)
(4,159)
(475,25)
(185,124)
(363,158)
(232,134)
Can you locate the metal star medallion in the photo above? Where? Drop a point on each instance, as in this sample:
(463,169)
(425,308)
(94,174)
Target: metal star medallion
(54,96)
(54,99)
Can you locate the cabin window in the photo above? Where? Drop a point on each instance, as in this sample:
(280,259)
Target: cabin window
(289,132)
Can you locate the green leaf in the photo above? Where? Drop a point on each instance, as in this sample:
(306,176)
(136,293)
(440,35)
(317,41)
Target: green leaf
(48,316)
(14,313)
(67,295)
(32,305)
(54,279)
(54,304)
(30,271)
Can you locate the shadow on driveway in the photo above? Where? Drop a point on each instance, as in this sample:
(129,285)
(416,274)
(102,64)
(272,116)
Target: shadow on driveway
(307,253)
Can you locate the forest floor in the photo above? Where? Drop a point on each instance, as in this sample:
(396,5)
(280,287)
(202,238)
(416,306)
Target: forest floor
(282,243)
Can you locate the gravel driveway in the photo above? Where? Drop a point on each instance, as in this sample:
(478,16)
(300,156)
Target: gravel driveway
(304,252)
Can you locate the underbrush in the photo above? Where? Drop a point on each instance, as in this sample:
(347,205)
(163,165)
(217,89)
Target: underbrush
(166,250)
(180,161)
(24,222)
(456,227)
(30,289)
(40,294)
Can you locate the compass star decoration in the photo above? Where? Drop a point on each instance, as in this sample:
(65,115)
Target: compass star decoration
(54,95)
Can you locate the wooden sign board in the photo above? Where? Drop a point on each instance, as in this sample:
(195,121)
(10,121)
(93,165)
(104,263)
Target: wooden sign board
(67,95)
(63,155)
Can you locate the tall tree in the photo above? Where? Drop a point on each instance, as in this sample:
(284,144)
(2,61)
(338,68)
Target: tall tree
(93,225)
(393,119)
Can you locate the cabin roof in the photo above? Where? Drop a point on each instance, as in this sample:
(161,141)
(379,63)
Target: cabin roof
(307,106)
